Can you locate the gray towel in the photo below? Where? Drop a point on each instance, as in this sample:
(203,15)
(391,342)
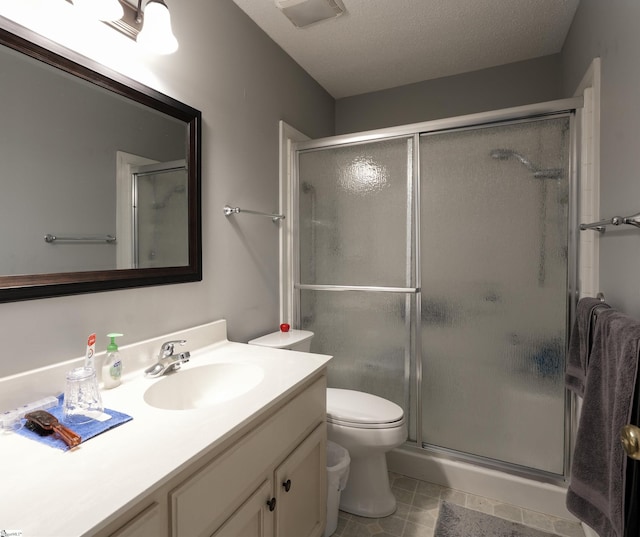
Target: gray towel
(596,491)
(580,345)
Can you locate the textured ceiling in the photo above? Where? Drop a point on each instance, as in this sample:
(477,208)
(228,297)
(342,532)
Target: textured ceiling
(380,44)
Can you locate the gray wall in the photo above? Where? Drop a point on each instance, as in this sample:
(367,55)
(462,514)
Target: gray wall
(610,29)
(243,84)
(515,84)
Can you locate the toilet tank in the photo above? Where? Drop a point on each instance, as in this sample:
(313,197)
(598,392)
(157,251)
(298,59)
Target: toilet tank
(293,340)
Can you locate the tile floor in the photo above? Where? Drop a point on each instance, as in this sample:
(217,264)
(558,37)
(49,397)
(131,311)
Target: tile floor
(418,504)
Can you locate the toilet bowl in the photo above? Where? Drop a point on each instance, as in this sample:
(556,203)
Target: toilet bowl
(366,425)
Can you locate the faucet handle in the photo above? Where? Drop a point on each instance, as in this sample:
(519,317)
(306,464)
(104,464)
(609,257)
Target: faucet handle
(167,347)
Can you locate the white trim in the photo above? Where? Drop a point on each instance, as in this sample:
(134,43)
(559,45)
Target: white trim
(589,191)
(124,204)
(156,166)
(288,135)
(589,197)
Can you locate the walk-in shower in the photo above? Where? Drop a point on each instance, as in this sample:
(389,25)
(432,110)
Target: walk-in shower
(434,263)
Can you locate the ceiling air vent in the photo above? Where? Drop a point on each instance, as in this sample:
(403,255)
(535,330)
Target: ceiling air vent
(304,13)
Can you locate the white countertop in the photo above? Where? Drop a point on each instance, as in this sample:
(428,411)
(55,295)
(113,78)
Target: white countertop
(50,493)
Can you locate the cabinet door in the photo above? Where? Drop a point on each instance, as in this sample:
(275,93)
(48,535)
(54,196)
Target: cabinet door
(206,499)
(145,524)
(253,518)
(301,488)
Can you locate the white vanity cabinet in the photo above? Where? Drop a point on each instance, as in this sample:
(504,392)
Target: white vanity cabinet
(254,518)
(148,523)
(243,489)
(268,480)
(293,504)
(301,490)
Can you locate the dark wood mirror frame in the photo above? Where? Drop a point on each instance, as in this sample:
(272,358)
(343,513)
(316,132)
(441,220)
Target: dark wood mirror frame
(32,286)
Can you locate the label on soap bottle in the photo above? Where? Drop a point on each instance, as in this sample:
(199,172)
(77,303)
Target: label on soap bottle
(116,370)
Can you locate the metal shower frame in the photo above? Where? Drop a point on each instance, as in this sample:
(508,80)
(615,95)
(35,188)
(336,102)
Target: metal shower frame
(413,358)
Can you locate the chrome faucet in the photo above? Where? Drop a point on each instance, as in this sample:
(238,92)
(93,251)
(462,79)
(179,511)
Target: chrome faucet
(167,360)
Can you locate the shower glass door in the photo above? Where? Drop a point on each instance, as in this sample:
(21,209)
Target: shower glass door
(160,215)
(433,264)
(356,276)
(494,217)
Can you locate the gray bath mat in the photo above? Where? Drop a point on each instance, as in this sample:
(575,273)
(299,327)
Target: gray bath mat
(456,521)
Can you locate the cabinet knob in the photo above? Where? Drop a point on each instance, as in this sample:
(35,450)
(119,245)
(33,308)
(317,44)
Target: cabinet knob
(272,504)
(287,485)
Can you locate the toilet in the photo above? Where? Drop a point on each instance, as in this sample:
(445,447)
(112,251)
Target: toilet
(366,425)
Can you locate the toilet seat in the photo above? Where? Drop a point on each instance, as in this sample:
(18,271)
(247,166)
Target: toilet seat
(361,410)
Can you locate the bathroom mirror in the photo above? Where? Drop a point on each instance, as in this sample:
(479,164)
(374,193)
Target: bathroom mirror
(100,177)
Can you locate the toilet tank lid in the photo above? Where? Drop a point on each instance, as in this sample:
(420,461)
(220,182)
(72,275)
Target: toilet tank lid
(359,407)
(281,340)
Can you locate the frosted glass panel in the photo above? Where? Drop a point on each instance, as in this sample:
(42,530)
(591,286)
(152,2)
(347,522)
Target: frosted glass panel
(368,336)
(493,256)
(352,200)
(494,212)
(162,219)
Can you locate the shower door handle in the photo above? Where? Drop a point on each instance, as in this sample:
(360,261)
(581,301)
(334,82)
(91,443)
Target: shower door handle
(630,439)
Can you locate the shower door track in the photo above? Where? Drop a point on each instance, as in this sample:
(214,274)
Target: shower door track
(525,472)
(436,125)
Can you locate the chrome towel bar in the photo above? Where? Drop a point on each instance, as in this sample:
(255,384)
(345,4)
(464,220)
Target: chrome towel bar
(633,220)
(93,238)
(228,211)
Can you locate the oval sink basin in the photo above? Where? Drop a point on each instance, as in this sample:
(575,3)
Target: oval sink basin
(203,386)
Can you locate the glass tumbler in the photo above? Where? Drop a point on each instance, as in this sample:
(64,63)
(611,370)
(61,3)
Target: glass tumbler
(82,401)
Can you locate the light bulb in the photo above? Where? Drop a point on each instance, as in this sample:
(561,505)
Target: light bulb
(156,34)
(104,10)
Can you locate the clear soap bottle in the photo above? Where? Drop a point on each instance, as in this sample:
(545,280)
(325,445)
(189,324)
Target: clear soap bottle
(112,367)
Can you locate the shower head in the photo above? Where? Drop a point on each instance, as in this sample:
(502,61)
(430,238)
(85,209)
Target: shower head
(307,187)
(506,154)
(501,154)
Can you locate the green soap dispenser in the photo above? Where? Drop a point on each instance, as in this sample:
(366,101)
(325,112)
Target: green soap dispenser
(112,367)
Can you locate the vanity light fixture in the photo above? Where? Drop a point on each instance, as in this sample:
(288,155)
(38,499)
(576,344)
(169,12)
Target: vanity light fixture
(150,27)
